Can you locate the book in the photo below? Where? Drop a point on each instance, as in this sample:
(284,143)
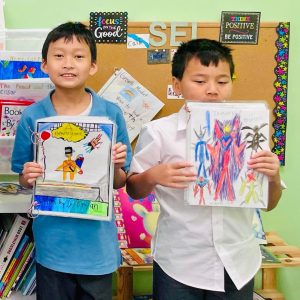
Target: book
(76,155)
(14,236)
(27,262)
(23,276)
(143,297)
(137,256)
(256,296)
(28,280)
(14,261)
(138,104)
(6,222)
(135,219)
(15,274)
(221,137)
(10,115)
(268,256)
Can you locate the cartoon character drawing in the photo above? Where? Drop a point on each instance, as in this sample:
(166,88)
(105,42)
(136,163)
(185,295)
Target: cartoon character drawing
(70,166)
(200,184)
(252,180)
(149,219)
(227,157)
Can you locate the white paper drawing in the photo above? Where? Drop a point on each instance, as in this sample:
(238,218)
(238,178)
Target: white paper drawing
(75,153)
(138,104)
(221,137)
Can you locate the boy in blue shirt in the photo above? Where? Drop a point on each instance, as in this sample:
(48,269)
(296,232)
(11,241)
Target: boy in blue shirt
(75,257)
(200,252)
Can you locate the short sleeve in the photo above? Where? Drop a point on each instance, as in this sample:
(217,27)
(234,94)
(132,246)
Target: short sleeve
(147,150)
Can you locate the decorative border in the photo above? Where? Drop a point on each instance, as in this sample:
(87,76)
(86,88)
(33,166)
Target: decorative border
(281,88)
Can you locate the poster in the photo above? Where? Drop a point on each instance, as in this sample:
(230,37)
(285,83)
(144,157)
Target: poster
(221,137)
(138,104)
(75,153)
(31,89)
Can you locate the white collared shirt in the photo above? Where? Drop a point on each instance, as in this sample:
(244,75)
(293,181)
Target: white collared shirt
(193,244)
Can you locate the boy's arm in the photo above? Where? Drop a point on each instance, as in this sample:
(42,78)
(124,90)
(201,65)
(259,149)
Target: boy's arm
(119,158)
(267,163)
(174,175)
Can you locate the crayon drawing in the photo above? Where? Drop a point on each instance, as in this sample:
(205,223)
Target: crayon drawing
(221,138)
(20,70)
(76,156)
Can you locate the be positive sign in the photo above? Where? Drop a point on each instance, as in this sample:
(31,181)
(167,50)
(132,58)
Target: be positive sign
(239,27)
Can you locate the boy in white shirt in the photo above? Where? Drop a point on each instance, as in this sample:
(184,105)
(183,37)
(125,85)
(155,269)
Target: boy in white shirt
(200,252)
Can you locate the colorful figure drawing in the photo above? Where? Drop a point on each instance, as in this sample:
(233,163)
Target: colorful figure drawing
(251,180)
(200,184)
(227,157)
(70,166)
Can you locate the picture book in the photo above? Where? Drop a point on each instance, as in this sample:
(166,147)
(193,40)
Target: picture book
(6,148)
(221,137)
(268,256)
(75,153)
(10,115)
(135,219)
(138,104)
(137,256)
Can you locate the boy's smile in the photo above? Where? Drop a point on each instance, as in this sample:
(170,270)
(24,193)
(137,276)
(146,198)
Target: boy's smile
(69,63)
(212,83)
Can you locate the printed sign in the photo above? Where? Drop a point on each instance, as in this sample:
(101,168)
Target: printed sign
(109,27)
(239,27)
(158,56)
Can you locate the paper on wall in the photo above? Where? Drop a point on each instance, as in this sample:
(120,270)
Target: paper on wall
(138,104)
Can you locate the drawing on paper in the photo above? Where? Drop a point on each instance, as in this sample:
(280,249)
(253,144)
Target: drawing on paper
(221,138)
(20,69)
(75,153)
(138,104)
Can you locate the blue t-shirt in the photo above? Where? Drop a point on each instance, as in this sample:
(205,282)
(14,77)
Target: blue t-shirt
(71,245)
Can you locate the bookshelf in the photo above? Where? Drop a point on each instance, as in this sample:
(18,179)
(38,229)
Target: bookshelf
(15,203)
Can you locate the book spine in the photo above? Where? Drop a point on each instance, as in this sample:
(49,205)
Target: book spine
(13,278)
(20,249)
(13,238)
(23,268)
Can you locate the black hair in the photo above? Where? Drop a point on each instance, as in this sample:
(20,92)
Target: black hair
(206,50)
(68,31)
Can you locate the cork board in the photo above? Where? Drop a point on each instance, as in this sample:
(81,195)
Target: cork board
(255,67)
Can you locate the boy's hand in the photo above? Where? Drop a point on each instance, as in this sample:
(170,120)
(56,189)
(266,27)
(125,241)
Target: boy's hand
(31,171)
(267,163)
(119,155)
(175,175)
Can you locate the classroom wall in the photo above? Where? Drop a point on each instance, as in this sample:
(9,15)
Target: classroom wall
(285,218)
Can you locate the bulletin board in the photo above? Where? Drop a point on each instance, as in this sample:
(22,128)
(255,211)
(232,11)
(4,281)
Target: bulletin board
(261,70)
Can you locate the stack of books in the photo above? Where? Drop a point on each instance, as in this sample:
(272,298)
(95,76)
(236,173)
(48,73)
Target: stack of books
(17,264)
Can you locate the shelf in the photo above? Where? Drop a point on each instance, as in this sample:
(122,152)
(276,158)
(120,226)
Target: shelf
(14,203)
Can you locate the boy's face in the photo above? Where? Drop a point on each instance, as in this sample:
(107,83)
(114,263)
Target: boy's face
(203,83)
(69,63)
